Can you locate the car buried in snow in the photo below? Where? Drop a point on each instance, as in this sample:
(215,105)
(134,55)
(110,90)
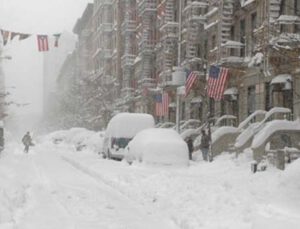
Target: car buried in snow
(120,131)
(158,146)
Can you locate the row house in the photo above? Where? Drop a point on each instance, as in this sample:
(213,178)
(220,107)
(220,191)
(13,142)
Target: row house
(193,55)
(258,42)
(128,52)
(103,47)
(84,31)
(145,74)
(133,46)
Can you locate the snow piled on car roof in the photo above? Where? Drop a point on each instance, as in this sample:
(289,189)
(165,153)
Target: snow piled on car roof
(127,125)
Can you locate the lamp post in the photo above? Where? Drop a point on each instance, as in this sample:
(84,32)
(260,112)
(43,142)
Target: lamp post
(179,75)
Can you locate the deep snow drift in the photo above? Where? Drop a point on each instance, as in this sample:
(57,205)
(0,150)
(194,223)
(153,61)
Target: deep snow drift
(55,186)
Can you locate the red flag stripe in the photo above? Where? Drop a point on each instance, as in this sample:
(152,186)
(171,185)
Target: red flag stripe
(221,86)
(42,43)
(193,76)
(162,108)
(216,85)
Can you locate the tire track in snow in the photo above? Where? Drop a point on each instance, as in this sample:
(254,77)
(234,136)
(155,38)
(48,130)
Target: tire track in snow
(117,210)
(42,190)
(114,187)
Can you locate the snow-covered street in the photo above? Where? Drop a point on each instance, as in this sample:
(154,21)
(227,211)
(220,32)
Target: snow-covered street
(55,186)
(55,194)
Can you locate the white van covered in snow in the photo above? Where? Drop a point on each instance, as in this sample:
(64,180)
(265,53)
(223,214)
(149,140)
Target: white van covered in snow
(121,129)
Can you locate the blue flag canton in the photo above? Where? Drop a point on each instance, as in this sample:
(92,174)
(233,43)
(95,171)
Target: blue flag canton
(158,98)
(187,72)
(214,72)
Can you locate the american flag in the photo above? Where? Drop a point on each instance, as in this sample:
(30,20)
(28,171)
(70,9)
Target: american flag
(42,43)
(218,77)
(162,104)
(5,36)
(56,36)
(191,79)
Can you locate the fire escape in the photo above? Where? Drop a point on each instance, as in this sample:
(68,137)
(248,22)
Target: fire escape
(267,29)
(220,20)
(128,30)
(193,22)
(105,30)
(146,42)
(226,44)
(167,45)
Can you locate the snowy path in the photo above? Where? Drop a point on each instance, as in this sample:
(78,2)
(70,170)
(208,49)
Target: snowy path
(65,197)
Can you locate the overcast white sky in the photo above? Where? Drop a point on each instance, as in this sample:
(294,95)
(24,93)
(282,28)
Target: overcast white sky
(24,71)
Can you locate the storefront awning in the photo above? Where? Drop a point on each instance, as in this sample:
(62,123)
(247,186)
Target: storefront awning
(231,91)
(283,78)
(196,100)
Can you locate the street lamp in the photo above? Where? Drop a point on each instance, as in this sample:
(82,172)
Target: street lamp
(179,75)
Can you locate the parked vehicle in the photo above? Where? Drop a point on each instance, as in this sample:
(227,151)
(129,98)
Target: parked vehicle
(120,131)
(158,146)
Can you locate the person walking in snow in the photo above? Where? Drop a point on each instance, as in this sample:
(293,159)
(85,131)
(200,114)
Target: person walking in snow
(205,143)
(27,141)
(190,145)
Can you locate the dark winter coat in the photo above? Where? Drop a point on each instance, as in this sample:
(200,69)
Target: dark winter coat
(205,140)
(27,140)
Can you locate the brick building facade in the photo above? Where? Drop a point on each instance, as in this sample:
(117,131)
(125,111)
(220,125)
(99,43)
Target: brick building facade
(135,47)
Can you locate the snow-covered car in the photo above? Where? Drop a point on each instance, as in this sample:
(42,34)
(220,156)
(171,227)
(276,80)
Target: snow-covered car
(158,146)
(120,131)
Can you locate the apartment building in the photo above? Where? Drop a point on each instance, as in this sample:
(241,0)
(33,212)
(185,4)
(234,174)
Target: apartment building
(193,55)
(84,31)
(146,41)
(249,38)
(128,52)
(137,43)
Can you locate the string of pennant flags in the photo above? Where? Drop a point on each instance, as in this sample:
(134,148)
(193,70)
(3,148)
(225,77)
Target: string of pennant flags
(42,40)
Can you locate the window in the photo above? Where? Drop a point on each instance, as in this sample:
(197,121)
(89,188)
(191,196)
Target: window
(251,99)
(253,27)
(282,7)
(213,42)
(222,107)
(242,36)
(232,32)
(268,104)
(297,12)
(205,49)
(253,20)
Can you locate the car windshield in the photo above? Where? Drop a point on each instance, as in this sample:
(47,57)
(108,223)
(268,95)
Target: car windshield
(122,142)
